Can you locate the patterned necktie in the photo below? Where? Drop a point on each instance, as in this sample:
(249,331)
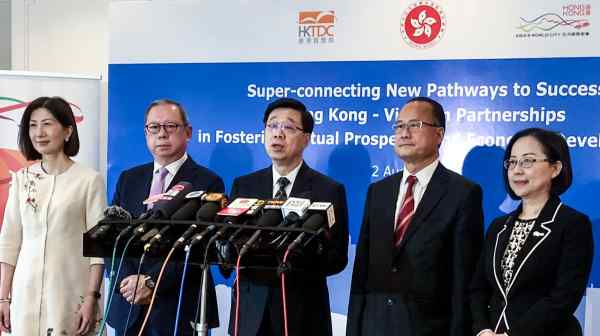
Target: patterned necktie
(407,210)
(158,183)
(281,194)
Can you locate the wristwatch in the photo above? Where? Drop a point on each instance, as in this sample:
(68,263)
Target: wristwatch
(148,282)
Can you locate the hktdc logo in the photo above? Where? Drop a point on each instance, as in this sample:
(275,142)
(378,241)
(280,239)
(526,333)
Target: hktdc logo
(316,27)
(423,24)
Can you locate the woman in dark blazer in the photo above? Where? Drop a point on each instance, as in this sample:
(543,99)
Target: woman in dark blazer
(536,261)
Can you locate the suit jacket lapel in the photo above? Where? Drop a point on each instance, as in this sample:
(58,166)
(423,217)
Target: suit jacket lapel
(265,188)
(500,245)
(144,181)
(432,195)
(184,171)
(302,184)
(537,235)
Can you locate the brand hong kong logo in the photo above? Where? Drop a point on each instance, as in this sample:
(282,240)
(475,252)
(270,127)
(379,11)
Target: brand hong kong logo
(570,20)
(423,24)
(315,27)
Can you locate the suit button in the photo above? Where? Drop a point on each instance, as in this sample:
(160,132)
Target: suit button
(390,302)
(394,269)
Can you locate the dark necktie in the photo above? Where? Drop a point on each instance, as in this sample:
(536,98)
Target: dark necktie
(281,194)
(407,210)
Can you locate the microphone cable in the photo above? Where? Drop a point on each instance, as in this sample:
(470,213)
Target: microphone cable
(237,296)
(283,297)
(160,274)
(113,277)
(188,251)
(139,270)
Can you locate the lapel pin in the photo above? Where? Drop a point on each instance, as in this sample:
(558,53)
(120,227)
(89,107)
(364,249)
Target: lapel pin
(537,234)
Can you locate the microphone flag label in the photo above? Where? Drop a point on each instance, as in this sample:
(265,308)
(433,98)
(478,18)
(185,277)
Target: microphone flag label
(238,207)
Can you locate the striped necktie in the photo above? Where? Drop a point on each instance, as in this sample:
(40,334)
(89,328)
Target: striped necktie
(407,210)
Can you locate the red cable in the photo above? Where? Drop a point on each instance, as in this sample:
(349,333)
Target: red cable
(285,319)
(237,296)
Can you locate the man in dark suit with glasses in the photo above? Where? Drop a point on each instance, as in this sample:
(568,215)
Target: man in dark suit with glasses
(167,133)
(288,126)
(420,239)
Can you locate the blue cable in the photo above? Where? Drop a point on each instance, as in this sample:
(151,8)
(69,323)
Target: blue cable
(112,282)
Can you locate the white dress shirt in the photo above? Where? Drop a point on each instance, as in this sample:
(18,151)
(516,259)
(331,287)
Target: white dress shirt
(423,178)
(172,169)
(291,176)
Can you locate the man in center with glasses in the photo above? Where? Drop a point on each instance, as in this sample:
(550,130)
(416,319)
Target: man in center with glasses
(288,126)
(167,133)
(420,239)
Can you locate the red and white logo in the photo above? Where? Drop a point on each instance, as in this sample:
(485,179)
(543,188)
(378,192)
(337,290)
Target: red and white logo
(423,24)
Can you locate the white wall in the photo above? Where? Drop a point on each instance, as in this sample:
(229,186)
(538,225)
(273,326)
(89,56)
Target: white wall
(5,34)
(63,36)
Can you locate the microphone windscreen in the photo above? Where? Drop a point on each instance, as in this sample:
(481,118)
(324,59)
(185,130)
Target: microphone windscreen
(314,222)
(270,218)
(187,211)
(208,211)
(172,200)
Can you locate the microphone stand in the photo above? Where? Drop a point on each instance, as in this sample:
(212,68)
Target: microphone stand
(203,324)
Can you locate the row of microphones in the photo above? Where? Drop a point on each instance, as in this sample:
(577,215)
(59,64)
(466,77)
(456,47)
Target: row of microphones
(181,203)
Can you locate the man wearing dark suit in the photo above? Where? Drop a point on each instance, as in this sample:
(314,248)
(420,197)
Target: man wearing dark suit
(420,238)
(288,126)
(167,133)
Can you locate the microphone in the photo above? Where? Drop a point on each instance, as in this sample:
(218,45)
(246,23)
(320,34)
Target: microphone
(188,210)
(163,208)
(326,210)
(213,202)
(113,212)
(171,201)
(226,250)
(232,213)
(293,210)
(208,211)
(252,213)
(272,215)
(313,223)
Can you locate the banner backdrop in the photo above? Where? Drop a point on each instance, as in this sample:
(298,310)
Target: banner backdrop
(354,65)
(354,105)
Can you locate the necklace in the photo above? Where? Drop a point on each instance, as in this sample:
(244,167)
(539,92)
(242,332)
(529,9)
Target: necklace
(42,166)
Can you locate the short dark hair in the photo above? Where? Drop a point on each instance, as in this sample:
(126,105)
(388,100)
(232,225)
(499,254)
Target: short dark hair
(555,148)
(308,123)
(436,108)
(62,112)
(166,101)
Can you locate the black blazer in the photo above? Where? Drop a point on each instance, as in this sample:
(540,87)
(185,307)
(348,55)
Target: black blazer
(307,294)
(550,275)
(132,188)
(419,288)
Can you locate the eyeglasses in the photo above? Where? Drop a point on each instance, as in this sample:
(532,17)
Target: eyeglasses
(411,125)
(523,163)
(170,128)
(285,127)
